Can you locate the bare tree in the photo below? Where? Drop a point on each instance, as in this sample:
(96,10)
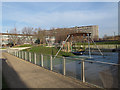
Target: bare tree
(27,30)
(28,35)
(41,35)
(13,37)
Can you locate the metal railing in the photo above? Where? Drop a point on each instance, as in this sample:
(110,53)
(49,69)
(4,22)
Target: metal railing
(98,73)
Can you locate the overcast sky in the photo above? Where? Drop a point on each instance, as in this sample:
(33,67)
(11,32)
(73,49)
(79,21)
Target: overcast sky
(47,15)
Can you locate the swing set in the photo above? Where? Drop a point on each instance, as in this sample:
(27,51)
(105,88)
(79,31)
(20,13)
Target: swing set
(81,51)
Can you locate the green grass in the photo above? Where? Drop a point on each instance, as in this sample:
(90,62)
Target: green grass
(2,48)
(102,43)
(48,51)
(25,45)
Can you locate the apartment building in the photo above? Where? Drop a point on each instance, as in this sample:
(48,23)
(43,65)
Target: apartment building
(17,39)
(93,29)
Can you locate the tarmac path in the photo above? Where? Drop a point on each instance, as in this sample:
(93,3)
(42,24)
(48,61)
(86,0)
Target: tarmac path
(19,73)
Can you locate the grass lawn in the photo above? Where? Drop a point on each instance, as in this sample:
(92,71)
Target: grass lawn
(2,48)
(102,43)
(48,51)
(25,45)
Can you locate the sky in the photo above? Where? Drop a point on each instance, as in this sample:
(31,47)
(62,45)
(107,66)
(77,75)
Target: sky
(47,15)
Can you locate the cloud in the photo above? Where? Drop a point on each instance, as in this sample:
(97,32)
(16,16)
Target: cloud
(105,18)
(61,17)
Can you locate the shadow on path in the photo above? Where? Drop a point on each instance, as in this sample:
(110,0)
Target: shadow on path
(11,77)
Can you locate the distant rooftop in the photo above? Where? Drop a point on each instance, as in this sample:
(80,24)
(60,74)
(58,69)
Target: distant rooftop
(16,34)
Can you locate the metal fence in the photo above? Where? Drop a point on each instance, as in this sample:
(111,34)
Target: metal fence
(102,74)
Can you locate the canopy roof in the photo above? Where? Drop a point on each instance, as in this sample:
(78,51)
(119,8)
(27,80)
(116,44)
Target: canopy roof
(80,34)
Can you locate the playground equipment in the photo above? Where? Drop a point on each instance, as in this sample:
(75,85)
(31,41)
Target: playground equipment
(88,35)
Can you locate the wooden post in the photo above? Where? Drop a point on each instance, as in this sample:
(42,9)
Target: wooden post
(68,44)
(64,66)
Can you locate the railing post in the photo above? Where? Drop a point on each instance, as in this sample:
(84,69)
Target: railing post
(51,67)
(83,70)
(8,50)
(30,56)
(41,60)
(35,58)
(25,55)
(22,55)
(64,66)
(14,52)
(17,53)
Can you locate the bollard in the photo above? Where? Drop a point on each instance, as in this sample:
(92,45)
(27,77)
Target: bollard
(51,67)
(35,58)
(83,70)
(30,56)
(64,66)
(41,60)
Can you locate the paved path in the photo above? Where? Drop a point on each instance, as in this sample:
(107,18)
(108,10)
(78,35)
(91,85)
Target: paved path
(22,74)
